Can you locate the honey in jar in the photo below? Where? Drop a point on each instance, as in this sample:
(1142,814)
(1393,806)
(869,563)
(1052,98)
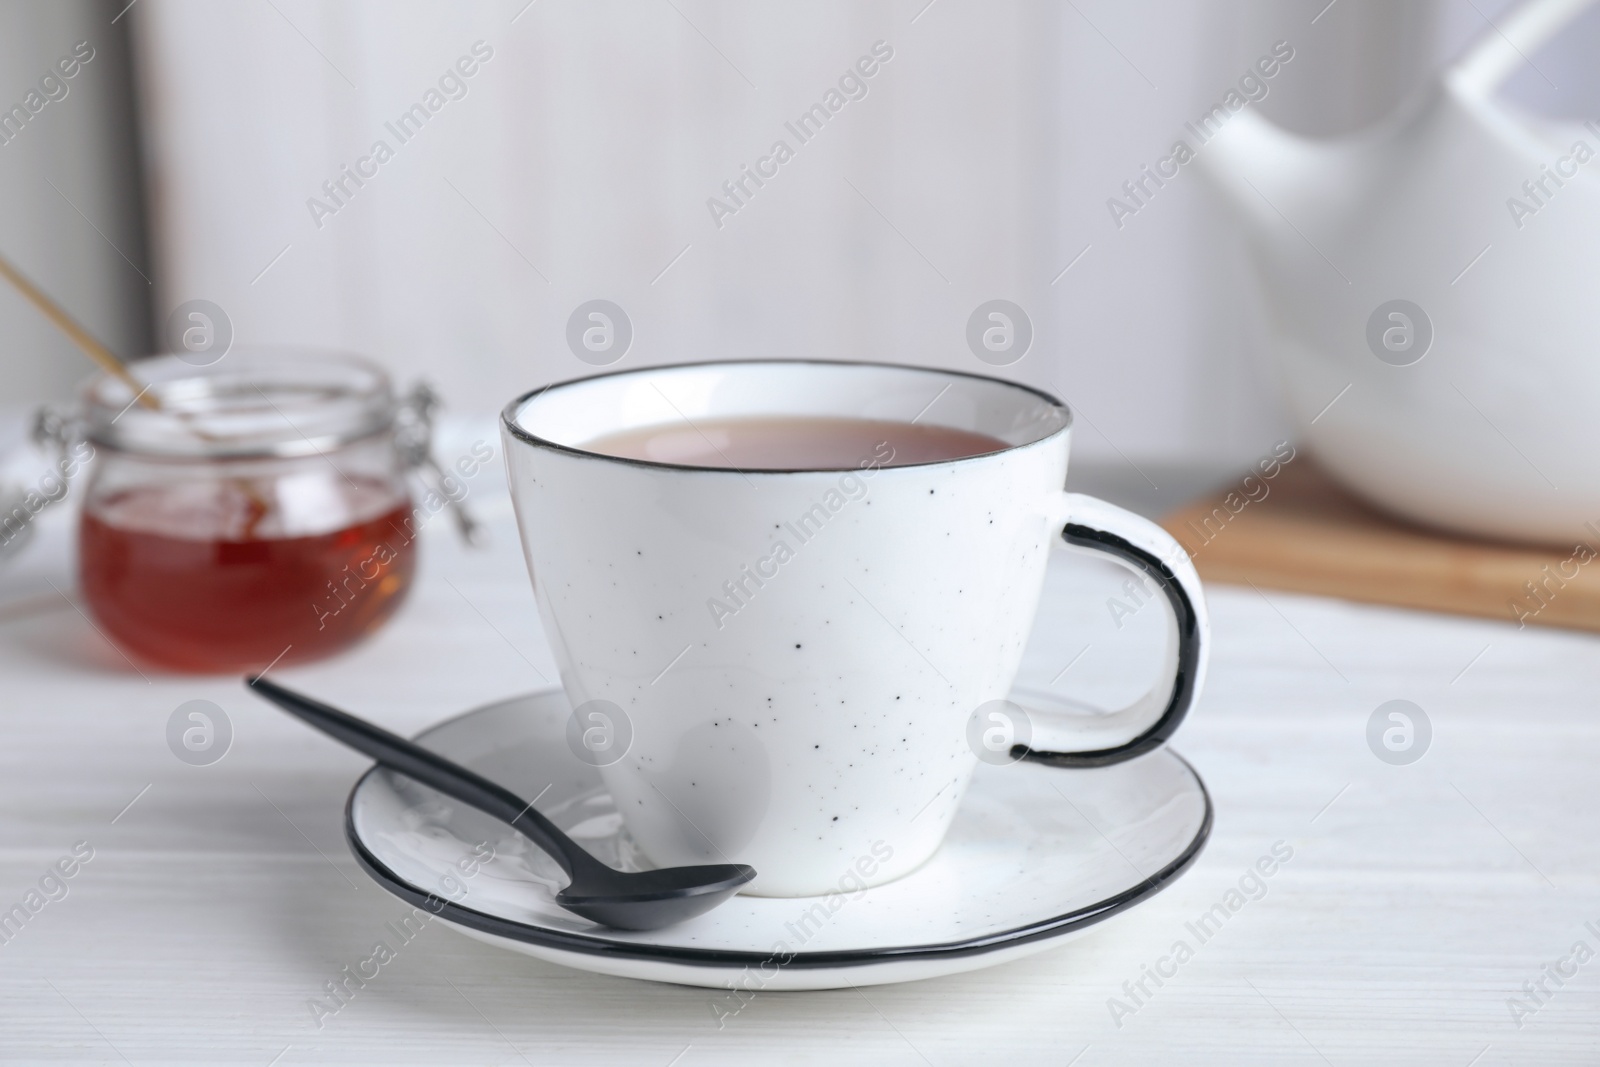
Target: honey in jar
(259,515)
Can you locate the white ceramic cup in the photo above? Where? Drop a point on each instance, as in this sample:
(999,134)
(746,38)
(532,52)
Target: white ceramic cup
(799,670)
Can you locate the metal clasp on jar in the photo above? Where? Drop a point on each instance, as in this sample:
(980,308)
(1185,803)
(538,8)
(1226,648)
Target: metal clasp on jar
(413,439)
(60,436)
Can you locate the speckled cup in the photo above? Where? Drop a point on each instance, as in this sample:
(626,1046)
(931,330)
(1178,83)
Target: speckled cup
(797,653)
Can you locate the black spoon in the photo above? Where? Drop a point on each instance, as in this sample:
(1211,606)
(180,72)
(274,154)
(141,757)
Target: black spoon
(643,900)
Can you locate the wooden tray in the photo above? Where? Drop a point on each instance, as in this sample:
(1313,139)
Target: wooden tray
(1311,536)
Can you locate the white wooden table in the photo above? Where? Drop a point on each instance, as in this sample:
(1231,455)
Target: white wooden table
(1418,900)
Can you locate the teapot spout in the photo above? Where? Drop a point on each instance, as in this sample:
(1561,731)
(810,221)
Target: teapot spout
(1264,173)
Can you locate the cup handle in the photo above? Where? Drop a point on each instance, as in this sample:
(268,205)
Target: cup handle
(1134,542)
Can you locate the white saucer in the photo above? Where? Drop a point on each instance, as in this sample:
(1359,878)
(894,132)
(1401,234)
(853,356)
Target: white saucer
(1036,855)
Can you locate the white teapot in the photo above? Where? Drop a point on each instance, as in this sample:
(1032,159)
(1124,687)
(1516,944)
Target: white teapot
(1435,288)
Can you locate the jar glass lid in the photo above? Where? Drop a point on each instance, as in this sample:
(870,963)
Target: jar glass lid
(253,402)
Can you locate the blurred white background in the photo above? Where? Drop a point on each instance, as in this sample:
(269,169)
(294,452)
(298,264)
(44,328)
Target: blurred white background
(579,162)
(70,183)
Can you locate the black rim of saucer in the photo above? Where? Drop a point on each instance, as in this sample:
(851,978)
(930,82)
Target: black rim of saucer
(600,945)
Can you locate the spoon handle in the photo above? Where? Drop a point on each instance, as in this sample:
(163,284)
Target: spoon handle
(431,769)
